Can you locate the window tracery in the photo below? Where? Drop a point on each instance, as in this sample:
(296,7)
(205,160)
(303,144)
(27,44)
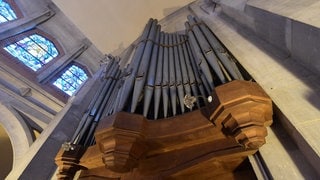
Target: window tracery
(71,79)
(34,51)
(7,12)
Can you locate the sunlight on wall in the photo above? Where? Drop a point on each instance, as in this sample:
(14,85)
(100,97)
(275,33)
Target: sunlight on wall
(6,155)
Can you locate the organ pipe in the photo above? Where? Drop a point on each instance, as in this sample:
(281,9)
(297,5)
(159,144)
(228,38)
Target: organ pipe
(144,65)
(133,68)
(158,80)
(220,51)
(164,69)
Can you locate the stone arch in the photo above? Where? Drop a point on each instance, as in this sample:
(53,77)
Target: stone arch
(6,155)
(18,132)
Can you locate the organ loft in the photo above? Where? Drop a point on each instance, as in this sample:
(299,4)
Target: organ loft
(215,90)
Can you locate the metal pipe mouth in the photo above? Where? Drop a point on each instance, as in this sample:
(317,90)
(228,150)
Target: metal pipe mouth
(208,51)
(140,76)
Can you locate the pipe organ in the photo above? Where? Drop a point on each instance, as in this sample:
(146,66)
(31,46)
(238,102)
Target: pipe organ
(181,108)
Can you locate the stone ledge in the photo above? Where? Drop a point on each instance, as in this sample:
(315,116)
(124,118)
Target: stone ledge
(306,11)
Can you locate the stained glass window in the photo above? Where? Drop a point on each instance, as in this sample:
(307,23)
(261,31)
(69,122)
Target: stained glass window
(34,51)
(71,79)
(6,12)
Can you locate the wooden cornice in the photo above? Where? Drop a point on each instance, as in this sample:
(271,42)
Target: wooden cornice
(226,131)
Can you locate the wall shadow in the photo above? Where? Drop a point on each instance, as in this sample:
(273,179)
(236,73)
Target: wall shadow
(308,76)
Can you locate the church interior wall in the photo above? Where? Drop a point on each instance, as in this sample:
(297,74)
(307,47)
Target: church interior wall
(288,70)
(26,102)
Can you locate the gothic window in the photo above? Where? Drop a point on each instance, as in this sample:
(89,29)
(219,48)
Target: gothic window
(7,12)
(31,53)
(71,79)
(34,51)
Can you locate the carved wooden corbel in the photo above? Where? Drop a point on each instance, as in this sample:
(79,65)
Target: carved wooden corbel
(245,111)
(68,161)
(121,142)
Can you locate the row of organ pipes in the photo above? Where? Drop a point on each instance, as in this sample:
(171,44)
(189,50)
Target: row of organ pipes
(163,70)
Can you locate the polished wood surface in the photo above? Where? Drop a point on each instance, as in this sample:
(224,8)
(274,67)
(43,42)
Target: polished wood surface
(210,142)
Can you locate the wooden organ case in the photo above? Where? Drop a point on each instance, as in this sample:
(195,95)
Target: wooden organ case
(146,131)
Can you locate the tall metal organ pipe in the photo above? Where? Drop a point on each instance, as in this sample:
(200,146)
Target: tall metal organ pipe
(158,79)
(163,68)
(87,125)
(133,68)
(178,67)
(200,59)
(144,63)
(220,51)
(165,76)
(205,48)
(151,74)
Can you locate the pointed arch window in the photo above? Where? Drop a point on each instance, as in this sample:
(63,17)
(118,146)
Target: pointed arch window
(34,51)
(71,79)
(8,11)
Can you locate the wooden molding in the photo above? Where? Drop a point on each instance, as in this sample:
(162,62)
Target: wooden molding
(68,162)
(244,111)
(220,135)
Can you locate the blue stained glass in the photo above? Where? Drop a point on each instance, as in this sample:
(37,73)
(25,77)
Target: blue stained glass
(23,56)
(79,73)
(6,12)
(34,51)
(71,79)
(46,46)
(64,86)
